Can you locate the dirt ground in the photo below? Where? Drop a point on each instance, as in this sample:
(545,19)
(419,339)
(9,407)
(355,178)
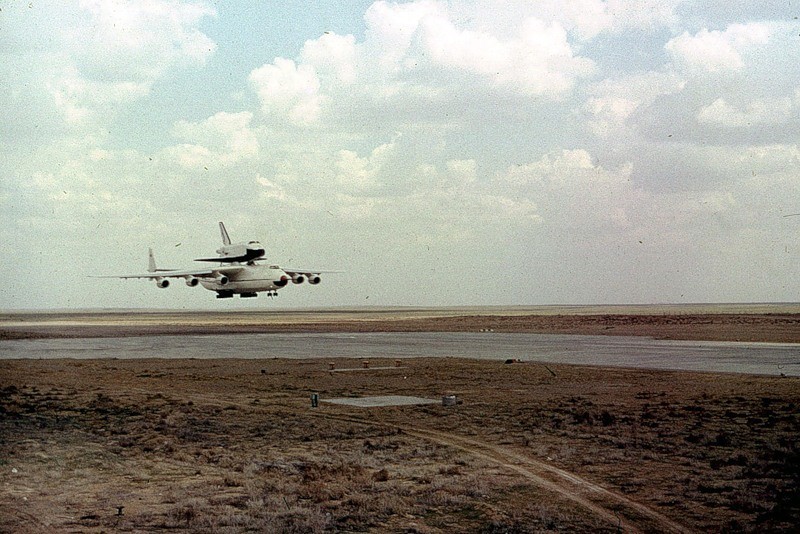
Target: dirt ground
(235,445)
(770,323)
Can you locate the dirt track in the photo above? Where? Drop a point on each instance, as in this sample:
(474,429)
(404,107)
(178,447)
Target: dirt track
(606,505)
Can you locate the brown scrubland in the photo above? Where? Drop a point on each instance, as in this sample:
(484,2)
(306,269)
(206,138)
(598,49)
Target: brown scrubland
(232,445)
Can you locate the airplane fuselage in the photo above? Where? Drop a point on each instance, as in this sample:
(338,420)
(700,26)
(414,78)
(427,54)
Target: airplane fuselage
(251,279)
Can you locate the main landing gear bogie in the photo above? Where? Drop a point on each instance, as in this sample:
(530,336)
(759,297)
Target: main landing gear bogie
(229,294)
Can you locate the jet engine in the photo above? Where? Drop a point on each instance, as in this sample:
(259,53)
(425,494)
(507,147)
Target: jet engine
(191,281)
(298,278)
(162,283)
(222,279)
(314,279)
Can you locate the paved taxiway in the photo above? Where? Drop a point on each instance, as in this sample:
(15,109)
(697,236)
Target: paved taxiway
(757,358)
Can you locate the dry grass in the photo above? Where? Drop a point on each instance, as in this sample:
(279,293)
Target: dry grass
(220,446)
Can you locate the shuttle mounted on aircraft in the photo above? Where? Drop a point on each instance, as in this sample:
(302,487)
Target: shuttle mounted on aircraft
(239,272)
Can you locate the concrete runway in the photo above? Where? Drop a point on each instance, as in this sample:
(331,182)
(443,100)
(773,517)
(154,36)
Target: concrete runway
(641,352)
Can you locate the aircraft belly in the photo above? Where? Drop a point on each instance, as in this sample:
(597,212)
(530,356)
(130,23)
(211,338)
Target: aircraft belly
(252,285)
(240,286)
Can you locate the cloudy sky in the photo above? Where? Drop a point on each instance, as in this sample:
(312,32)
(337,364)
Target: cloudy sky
(441,153)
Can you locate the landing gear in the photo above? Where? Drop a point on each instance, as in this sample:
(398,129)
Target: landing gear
(227,294)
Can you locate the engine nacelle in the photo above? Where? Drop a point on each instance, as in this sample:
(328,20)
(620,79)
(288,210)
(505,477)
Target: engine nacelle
(191,281)
(314,279)
(222,279)
(163,283)
(298,279)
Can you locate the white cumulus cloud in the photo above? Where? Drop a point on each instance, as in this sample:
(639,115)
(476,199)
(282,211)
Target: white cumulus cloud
(121,49)
(286,89)
(224,138)
(716,51)
(722,113)
(333,58)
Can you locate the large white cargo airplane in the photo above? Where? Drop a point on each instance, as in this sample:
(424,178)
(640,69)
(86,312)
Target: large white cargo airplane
(238,272)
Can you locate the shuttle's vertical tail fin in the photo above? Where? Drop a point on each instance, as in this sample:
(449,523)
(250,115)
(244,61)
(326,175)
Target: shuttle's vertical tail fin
(226,240)
(152,265)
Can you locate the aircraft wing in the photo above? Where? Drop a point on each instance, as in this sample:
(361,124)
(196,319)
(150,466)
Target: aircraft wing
(299,275)
(169,273)
(293,271)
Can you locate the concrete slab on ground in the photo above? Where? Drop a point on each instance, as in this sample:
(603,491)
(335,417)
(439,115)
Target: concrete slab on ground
(384,400)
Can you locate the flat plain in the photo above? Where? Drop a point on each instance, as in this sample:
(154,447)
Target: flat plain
(231,445)
(719,322)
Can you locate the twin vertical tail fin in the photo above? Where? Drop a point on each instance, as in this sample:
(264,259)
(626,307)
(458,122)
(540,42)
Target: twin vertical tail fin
(152,265)
(226,240)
